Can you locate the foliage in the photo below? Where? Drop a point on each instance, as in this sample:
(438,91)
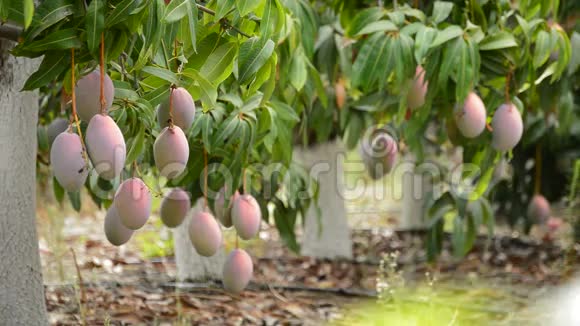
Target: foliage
(259,68)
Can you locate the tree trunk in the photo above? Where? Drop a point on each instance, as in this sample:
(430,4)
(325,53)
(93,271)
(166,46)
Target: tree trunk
(190,265)
(414,191)
(331,237)
(21,287)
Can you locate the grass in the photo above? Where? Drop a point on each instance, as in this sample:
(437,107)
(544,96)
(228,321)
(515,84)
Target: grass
(433,302)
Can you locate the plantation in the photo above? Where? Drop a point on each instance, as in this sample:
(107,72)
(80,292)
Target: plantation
(292,162)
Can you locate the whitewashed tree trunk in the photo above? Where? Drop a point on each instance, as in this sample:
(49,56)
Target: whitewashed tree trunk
(416,185)
(190,265)
(21,287)
(330,238)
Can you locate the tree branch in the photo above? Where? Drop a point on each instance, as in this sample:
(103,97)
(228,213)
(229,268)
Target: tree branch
(224,21)
(10,32)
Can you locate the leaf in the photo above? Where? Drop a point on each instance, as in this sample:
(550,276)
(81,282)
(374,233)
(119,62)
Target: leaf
(285,220)
(320,90)
(220,63)
(441,10)
(58,190)
(458,236)
(423,40)
(137,145)
(378,26)
(226,129)
(564,51)
(223,7)
(28,12)
(374,62)
(501,40)
(192,22)
(270,85)
(285,112)
(95,24)
(51,67)
(49,13)
(447,34)
(202,88)
(157,96)
(162,73)
(362,19)
(463,74)
(60,40)
(575,57)
(449,60)
(120,13)
(75,200)
(176,10)
(272,19)
(297,70)
(246,6)
(252,57)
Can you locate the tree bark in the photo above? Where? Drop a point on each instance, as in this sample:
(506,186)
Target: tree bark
(417,184)
(331,237)
(190,265)
(22,299)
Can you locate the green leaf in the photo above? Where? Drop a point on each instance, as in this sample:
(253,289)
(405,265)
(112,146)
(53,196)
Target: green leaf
(49,13)
(297,70)
(192,22)
(176,10)
(58,190)
(226,129)
(447,34)
(501,40)
(262,76)
(271,82)
(28,12)
(246,6)
(223,7)
(157,96)
(449,60)
(272,19)
(374,62)
(458,236)
(120,13)
(162,73)
(441,10)
(542,49)
(423,40)
(378,26)
(320,90)
(75,200)
(564,50)
(285,220)
(95,24)
(463,74)
(285,112)
(51,67)
(136,146)
(575,49)
(220,63)
(253,55)
(201,88)
(362,19)
(60,40)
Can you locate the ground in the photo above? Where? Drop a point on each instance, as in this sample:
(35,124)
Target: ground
(388,279)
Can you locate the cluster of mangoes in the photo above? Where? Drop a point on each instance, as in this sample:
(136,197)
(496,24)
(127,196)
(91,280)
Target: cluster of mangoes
(379,150)
(131,205)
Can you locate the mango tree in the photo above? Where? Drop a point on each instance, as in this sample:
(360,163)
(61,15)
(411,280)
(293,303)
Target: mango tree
(473,74)
(256,69)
